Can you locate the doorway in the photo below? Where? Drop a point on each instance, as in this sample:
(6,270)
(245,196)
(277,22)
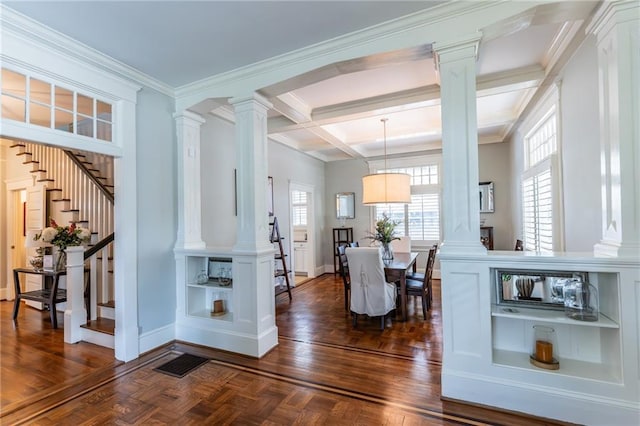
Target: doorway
(302,223)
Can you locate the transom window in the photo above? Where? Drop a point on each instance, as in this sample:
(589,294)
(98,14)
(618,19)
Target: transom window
(40,103)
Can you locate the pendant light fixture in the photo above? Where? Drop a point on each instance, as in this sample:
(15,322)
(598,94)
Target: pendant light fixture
(386,188)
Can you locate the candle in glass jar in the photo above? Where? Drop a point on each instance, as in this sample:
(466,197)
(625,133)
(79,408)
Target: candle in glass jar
(544,351)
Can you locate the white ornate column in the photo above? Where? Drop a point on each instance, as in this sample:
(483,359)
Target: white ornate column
(75,314)
(456,65)
(617,27)
(189,194)
(253,253)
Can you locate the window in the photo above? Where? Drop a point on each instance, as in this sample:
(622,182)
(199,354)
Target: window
(420,220)
(299,208)
(539,185)
(41,103)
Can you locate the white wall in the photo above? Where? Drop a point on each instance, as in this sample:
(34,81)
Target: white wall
(157,211)
(580,153)
(581,149)
(495,166)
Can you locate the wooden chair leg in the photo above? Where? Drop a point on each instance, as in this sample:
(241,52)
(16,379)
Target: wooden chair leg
(382,322)
(424,306)
(355,319)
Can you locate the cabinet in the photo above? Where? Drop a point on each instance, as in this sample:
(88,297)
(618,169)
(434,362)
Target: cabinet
(209,279)
(341,236)
(300,256)
(486,236)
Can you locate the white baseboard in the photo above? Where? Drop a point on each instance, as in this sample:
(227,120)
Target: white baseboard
(3,294)
(156,338)
(227,340)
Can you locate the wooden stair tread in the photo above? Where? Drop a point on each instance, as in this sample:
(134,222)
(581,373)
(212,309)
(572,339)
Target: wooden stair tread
(45,180)
(102,325)
(109,304)
(70,210)
(17,145)
(60,199)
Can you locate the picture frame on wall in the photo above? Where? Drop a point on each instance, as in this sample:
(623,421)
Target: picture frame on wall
(270,195)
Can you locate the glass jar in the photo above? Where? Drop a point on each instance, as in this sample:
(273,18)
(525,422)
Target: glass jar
(543,350)
(202,277)
(581,301)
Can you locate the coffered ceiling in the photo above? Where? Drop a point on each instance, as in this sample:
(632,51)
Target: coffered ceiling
(328,115)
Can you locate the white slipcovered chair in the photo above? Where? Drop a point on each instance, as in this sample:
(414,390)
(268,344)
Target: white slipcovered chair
(371,294)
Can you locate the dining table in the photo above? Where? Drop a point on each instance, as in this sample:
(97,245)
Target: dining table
(396,271)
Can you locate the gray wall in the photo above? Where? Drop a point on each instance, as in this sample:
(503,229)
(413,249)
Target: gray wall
(218,162)
(157,213)
(345,176)
(287,165)
(494,166)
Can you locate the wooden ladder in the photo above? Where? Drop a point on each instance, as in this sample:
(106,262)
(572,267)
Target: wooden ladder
(275,237)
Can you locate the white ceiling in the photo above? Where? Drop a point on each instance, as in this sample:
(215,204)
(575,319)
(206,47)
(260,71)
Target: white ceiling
(336,118)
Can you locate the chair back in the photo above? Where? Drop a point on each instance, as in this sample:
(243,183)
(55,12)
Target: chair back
(519,245)
(403,245)
(343,265)
(371,294)
(354,244)
(431,260)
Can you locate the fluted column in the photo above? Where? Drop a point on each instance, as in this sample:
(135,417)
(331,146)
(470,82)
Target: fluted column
(189,186)
(617,27)
(456,65)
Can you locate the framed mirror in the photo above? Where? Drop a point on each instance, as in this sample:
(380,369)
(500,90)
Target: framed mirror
(486,197)
(345,205)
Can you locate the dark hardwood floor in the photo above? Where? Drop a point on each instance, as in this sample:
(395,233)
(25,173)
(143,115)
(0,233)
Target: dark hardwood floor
(322,372)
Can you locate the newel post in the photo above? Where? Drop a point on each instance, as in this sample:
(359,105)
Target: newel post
(75,315)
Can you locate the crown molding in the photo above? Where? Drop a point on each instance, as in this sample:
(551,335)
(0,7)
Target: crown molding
(35,32)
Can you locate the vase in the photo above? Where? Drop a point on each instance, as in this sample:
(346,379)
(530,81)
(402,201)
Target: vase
(387,252)
(61,260)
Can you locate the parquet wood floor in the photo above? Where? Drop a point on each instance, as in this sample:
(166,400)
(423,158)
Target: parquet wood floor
(322,372)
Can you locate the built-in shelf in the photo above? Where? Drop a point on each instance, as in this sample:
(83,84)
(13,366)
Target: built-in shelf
(228,316)
(568,367)
(548,315)
(212,283)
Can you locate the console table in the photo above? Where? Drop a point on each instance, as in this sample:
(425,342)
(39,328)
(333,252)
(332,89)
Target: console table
(49,295)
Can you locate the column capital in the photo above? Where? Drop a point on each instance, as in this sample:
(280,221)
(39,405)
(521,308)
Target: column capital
(451,50)
(254,98)
(188,115)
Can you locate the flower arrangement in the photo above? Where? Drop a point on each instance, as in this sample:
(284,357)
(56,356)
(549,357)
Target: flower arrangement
(385,230)
(64,236)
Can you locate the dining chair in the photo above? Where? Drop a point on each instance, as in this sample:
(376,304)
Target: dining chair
(419,276)
(403,245)
(343,267)
(519,245)
(371,294)
(423,288)
(354,244)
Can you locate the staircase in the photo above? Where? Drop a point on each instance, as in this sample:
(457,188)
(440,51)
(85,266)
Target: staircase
(79,188)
